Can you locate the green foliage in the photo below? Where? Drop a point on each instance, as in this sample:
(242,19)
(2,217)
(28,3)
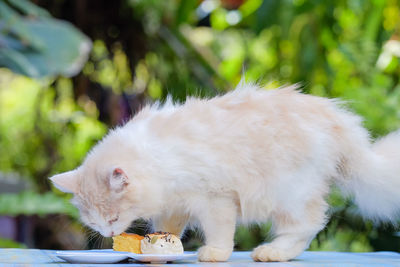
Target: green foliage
(7,243)
(332,47)
(248,237)
(339,239)
(28,43)
(109,70)
(40,119)
(42,128)
(31,203)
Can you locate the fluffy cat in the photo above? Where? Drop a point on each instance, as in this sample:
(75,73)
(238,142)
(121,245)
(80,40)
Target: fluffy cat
(248,156)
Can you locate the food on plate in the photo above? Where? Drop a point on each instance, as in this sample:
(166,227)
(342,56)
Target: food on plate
(155,243)
(127,242)
(161,243)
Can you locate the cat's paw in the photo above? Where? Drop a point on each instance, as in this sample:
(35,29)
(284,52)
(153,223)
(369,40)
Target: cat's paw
(270,253)
(208,253)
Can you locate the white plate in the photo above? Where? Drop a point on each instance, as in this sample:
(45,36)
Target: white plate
(162,258)
(110,256)
(92,256)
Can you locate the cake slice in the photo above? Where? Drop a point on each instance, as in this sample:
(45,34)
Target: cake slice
(127,242)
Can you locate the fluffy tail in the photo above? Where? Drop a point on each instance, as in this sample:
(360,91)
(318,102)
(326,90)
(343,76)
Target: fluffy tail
(374,179)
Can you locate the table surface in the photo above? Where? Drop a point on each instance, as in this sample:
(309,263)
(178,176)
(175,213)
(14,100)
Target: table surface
(36,257)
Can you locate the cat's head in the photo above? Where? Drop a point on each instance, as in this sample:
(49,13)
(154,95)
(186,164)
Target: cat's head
(115,184)
(104,196)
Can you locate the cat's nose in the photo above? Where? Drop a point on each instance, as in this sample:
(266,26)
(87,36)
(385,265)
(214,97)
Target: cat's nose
(112,233)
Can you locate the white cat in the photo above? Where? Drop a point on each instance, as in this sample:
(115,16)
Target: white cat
(245,157)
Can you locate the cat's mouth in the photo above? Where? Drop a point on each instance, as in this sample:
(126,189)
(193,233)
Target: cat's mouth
(108,233)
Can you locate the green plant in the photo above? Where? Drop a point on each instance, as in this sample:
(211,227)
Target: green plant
(33,43)
(7,243)
(32,203)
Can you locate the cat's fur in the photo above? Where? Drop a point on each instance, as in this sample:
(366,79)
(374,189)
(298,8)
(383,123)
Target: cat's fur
(248,156)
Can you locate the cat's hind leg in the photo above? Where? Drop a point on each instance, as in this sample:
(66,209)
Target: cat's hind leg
(292,235)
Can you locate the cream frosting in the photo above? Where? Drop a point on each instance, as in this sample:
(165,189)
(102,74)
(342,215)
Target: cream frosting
(161,243)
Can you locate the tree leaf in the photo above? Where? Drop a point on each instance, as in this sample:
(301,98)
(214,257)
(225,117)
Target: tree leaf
(29,8)
(13,24)
(17,62)
(64,52)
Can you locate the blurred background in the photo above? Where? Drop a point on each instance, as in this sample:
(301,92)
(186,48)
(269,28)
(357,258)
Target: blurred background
(69,70)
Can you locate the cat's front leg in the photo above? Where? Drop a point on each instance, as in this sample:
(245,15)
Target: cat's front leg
(174,222)
(218,221)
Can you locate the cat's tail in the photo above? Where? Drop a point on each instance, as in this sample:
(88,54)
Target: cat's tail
(373,178)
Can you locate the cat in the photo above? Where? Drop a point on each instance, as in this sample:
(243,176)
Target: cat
(248,156)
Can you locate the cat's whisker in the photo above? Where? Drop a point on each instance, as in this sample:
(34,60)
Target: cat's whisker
(98,239)
(93,238)
(90,238)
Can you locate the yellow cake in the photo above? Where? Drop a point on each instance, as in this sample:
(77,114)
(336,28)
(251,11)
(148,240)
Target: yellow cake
(127,242)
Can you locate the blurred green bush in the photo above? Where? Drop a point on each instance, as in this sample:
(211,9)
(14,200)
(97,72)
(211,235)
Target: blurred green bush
(346,49)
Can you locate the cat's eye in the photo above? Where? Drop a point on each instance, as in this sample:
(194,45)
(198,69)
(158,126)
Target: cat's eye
(113,220)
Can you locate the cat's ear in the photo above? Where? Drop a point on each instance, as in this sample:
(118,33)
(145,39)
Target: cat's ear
(66,182)
(118,180)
